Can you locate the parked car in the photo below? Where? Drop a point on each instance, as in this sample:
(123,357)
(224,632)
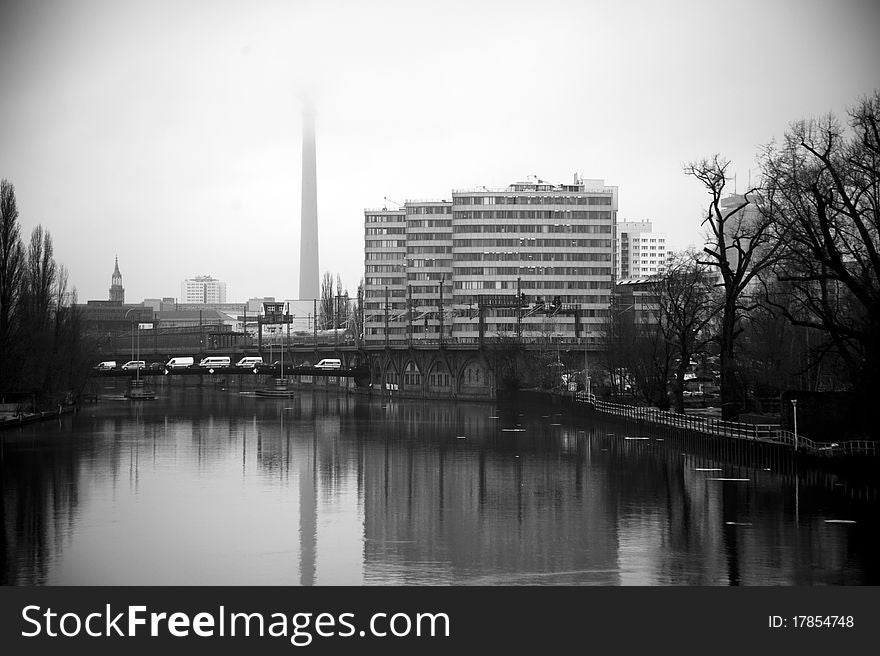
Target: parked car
(249,362)
(134,364)
(329,363)
(106,366)
(156,366)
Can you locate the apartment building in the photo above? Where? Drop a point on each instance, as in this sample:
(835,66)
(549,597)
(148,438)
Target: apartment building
(202,289)
(641,252)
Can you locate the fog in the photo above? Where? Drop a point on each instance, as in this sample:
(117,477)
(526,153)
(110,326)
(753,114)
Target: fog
(168,133)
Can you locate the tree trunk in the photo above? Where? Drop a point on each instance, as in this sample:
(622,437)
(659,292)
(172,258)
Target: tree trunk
(731,403)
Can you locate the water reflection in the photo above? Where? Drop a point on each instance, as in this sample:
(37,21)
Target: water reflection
(217,487)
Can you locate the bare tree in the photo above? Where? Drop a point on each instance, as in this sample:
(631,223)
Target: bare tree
(741,243)
(325,303)
(11,272)
(359,311)
(685,309)
(824,183)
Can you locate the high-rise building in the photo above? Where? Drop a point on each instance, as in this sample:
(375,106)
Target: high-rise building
(384,274)
(117,291)
(202,289)
(434,264)
(641,252)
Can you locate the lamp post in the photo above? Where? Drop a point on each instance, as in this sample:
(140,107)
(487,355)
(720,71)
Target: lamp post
(130,310)
(794,410)
(586,370)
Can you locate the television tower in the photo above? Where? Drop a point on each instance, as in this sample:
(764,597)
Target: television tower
(308,241)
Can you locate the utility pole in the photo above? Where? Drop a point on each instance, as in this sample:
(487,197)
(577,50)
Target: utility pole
(409,327)
(518,310)
(333,318)
(442,280)
(315,328)
(386,317)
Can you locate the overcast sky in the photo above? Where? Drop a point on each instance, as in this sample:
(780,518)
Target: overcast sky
(168,132)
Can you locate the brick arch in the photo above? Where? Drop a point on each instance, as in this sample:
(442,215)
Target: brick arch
(412,375)
(391,374)
(440,378)
(476,377)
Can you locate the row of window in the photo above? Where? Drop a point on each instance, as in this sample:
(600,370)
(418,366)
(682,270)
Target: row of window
(529,271)
(532,257)
(544,215)
(429,236)
(421,250)
(566,299)
(381,282)
(383,256)
(532,227)
(466,285)
(384,268)
(531,200)
(386,231)
(532,242)
(430,223)
(386,243)
(429,263)
(428,209)
(384,218)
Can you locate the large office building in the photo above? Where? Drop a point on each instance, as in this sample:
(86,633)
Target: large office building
(435,266)
(641,252)
(202,290)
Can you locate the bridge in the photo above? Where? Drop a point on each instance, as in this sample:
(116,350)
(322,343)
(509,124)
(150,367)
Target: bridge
(421,368)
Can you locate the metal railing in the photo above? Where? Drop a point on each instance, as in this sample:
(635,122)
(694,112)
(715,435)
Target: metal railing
(769,433)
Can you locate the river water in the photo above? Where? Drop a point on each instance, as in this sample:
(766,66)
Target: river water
(206,486)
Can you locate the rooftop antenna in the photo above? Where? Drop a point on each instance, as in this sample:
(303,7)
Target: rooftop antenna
(393,201)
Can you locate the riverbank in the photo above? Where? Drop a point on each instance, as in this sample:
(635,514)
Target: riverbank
(708,427)
(22,419)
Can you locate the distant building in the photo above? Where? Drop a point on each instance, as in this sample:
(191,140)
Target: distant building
(113,317)
(641,252)
(202,289)
(110,318)
(740,224)
(117,291)
(163,304)
(635,300)
(195,318)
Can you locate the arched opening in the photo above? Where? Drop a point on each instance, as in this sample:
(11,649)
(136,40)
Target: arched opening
(412,377)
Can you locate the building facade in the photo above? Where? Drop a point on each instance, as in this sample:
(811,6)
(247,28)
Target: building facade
(384,274)
(508,255)
(641,252)
(202,289)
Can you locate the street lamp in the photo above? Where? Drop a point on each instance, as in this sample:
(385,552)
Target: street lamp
(794,410)
(137,369)
(586,367)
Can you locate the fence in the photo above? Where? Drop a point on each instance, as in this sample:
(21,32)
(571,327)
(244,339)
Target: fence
(769,433)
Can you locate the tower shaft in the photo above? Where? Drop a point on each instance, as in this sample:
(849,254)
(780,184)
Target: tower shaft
(308,248)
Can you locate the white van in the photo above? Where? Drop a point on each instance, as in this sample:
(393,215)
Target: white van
(179,363)
(329,363)
(215,362)
(134,364)
(105,366)
(249,362)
